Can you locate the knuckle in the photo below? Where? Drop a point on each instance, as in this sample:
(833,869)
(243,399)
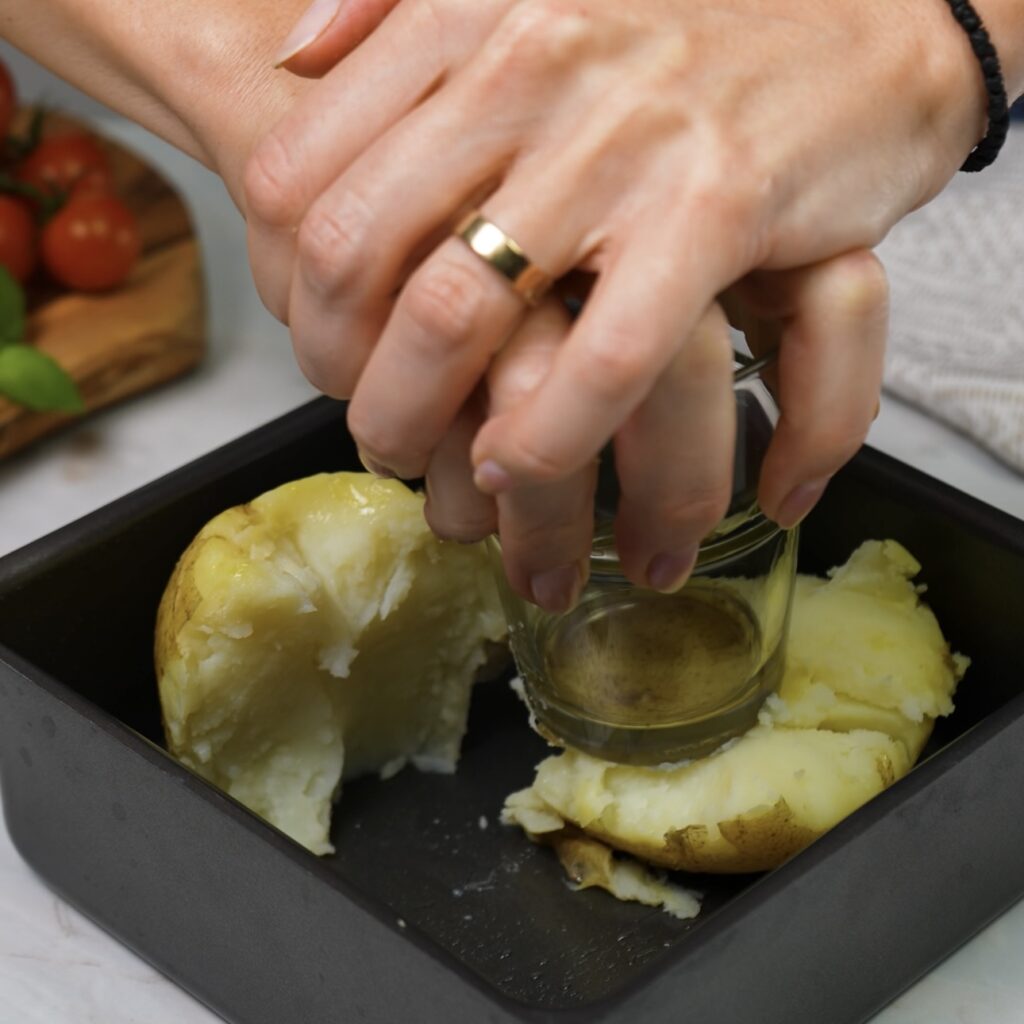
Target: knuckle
(512,380)
(860,285)
(694,514)
(463,529)
(443,301)
(708,356)
(381,437)
(674,58)
(269,183)
(541,35)
(615,365)
(537,463)
(331,239)
(537,541)
(323,371)
(734,199)
(731,207)
(823,445)
(840,442)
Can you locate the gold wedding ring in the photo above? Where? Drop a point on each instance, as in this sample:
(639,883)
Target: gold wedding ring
(494,247)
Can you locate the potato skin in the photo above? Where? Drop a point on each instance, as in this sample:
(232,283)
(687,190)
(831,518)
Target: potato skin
(746,808)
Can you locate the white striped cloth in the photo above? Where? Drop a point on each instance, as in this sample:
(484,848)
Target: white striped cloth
(956,346)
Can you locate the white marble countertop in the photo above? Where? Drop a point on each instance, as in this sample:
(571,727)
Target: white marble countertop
(56,967)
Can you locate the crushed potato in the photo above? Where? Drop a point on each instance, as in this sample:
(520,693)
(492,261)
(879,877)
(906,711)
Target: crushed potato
(321,632)
(867,671)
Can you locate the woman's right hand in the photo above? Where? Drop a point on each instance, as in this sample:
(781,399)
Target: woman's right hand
(832,317)
(668,503)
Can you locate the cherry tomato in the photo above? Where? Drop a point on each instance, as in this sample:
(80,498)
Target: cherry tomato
(8,99)
(17,238)
(92,243)
(92,182)
(57,163)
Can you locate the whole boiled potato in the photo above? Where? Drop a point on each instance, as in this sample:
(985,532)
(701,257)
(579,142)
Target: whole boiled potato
(318,633)
(867,671)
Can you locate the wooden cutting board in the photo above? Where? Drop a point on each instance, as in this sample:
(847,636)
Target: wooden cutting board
(141,334)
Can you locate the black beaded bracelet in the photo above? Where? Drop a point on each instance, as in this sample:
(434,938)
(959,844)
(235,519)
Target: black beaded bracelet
(998,105)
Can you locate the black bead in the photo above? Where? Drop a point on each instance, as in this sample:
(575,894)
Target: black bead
(998,103)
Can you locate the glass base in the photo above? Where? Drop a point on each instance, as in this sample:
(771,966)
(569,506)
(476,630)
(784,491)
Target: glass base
(643,678)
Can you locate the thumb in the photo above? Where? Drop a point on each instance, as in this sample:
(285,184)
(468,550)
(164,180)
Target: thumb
(328,31)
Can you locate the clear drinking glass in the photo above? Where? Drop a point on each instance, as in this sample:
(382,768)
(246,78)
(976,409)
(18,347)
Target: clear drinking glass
(639,677)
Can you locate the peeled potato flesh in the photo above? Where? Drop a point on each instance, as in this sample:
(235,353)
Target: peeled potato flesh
(867,671)
(319,633)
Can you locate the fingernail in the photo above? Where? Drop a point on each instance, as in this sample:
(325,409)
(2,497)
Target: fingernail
(667,572)
(371,466)
(312,23)
(800,501)
(556,590)
(491,478)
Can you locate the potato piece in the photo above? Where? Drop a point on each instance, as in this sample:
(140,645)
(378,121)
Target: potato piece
(867,668)
(864,634)
(804,703)
(321,632)
(747,807)
(590,864)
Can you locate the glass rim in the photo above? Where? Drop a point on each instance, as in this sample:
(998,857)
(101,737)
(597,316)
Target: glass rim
(752,530)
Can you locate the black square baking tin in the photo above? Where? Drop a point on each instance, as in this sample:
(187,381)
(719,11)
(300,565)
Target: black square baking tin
(431,911)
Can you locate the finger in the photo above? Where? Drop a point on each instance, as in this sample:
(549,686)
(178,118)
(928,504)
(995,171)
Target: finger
(545,531)
(338,119)
(456,310)
(329,31)
(356,101)
(763,334)
(648,299)
(546,535)
(835,317)
(442,332)
(455,509)
(362,237)
(674,460)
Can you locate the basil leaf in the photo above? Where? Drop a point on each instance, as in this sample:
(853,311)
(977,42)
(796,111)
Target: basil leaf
(33,379)
(12,309)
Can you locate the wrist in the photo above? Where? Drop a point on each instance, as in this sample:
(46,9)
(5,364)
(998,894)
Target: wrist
(220,81)
(956,97)
(198,73)
(990,69)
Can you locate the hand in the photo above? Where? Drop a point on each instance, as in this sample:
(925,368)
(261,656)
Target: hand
(699,166)
(828,321)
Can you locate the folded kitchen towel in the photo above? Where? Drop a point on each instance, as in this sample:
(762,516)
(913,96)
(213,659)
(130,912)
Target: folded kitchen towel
(956,346)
